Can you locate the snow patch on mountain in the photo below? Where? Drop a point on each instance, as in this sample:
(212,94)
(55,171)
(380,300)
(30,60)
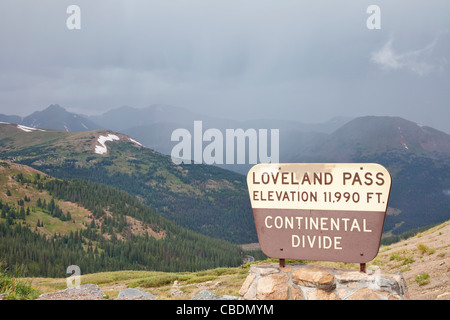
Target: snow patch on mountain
(28,129)
(402,139)
(101,149)
(138,143)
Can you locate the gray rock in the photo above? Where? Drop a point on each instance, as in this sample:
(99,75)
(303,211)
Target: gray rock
(88,288)
(86,291)
(135,293)
(228,297)
(206,295)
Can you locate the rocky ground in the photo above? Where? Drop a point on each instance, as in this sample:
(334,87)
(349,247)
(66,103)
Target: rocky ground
(93,292)
(84,292)
(424,262)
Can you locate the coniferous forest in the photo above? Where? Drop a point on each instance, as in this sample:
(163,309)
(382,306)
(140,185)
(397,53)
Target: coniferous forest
(107,242)
(218,214)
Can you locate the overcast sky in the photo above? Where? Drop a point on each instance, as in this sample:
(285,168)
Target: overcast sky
(290,59)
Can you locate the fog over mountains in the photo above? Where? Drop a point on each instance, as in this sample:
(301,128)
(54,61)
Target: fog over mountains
(154,125)
(418,157)
(336,140)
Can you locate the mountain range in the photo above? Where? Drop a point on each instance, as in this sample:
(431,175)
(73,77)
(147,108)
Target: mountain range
(53,117)
(153,125)
(47,224)
(418,158)
(205,199)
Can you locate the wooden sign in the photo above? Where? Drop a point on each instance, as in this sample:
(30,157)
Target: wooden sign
(328,212)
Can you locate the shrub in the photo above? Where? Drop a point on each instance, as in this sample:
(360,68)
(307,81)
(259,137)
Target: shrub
(424,249)
(155,281)
(14,288)
(423,279)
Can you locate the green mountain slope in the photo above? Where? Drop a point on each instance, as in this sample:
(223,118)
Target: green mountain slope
(377,135)
(47,224)
(417,157)
(206,199)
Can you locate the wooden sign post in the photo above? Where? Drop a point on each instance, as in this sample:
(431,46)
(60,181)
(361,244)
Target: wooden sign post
(329,212)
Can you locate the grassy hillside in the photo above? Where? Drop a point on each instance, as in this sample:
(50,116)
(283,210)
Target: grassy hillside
(423,260)
(18,183)
(47,224)
(205,199)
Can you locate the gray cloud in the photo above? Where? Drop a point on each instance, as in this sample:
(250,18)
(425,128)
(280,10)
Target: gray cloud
(304,60)
(417,61)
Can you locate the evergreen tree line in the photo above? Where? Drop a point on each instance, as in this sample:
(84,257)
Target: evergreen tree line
(10,212)
(53,209)
(224,214)
(179,249)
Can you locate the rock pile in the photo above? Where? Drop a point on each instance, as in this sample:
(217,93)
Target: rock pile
(306,282)
(93,292)
(84,292)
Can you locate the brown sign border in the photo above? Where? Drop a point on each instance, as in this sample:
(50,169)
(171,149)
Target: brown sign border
(318,234)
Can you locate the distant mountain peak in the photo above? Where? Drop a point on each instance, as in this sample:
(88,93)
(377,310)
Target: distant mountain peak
(54,107)
(57,118)
(376,134)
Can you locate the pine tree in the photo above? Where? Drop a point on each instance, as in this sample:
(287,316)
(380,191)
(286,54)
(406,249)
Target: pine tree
(21,213)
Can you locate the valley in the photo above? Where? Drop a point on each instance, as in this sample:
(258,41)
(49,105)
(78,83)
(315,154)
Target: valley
(47,224)
(206,204)
(423,260)
(203,198)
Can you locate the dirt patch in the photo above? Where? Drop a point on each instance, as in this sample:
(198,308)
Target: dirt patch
(424,262)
